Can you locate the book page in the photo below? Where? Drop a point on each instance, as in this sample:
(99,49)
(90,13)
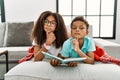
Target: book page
(52,56)
(63,61)
(73,59)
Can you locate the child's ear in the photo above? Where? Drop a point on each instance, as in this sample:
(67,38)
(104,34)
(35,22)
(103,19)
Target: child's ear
(87,32)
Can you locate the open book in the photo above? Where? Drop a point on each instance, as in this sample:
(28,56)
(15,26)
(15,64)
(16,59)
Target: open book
(63,61)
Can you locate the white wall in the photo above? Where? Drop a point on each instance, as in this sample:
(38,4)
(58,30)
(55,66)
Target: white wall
(27,10)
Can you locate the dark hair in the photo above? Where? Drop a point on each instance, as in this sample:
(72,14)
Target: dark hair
(80,18)
(39,35)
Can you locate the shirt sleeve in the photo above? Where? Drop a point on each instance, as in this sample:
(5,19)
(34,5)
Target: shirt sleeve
(34,43)
(91,45)
(65,49)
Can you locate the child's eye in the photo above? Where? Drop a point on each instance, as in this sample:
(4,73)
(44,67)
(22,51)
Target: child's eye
(53,23)
(81,28)
(74,28)
(46,21)
(78,28)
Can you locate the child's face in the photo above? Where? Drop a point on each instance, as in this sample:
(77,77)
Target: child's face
(50,24)
(79,30)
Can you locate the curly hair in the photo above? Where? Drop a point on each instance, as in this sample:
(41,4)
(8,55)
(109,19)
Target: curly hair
(38,34)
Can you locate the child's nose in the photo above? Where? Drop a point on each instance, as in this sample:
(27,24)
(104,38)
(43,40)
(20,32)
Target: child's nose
(49,24)
(77,29)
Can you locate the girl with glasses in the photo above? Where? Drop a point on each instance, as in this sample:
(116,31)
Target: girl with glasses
(48,35)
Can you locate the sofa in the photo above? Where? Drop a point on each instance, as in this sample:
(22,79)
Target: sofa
(42,70)
(14,37)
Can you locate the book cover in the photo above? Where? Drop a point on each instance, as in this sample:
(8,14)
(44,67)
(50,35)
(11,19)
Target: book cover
(63,61)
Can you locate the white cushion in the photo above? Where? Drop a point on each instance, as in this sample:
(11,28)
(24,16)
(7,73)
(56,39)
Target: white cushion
(15,53)
(112,49)
(44,71)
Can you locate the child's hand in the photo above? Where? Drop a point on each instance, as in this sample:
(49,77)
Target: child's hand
(55,62)
(72,64)
(50,38)
(75,44)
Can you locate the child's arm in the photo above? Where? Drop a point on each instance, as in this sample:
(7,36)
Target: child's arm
(89,57)
(38,56)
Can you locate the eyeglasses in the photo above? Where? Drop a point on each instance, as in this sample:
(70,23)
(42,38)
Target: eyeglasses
(52,23)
